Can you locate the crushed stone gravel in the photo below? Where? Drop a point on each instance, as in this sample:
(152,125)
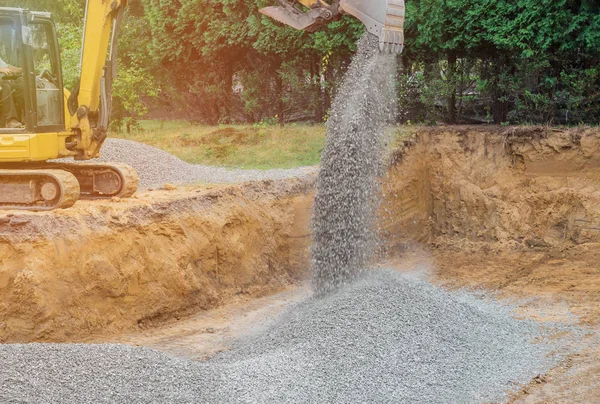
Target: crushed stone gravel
(387,337)
(156,167)
(347,194)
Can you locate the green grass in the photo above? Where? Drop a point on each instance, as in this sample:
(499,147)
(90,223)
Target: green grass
(243,146)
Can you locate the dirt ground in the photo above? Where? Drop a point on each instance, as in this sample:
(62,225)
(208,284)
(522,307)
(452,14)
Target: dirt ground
(510,211)
(548,286)
(514,211)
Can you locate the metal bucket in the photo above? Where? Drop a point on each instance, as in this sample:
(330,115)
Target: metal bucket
(383,18)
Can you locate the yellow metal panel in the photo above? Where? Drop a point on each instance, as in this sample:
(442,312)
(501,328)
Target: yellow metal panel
(97,35)
(14,147)
(308,3)
(44,146)
(33,147)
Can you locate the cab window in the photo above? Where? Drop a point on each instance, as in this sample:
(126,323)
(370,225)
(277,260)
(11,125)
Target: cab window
(45,65)
(12,105)
(9,46)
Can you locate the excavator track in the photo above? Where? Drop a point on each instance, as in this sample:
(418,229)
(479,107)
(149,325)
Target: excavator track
(101,181)
(49,186)
(37,189)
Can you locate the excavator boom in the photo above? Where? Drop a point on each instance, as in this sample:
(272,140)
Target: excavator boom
(91,101)
(382,18)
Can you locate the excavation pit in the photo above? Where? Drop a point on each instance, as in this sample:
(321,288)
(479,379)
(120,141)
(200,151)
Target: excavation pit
(511,210)
(474,190)
(107,267)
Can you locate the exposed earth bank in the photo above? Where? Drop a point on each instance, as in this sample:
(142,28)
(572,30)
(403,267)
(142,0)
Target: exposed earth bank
(512,210)
(102,268)
(537,186)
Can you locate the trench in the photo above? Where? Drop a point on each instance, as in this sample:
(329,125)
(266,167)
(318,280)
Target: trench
(102,269)
(105,269)
(511,210)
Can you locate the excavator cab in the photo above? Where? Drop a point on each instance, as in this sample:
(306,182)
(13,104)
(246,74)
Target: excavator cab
(382,18)
(30,78)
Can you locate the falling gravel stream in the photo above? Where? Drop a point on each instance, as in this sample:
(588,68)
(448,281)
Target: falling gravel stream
(347,191)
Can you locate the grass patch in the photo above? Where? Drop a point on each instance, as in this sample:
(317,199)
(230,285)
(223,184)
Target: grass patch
(243,146)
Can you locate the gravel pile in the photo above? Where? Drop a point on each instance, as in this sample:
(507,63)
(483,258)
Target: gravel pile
(347,185)
(387,337)
(156,167)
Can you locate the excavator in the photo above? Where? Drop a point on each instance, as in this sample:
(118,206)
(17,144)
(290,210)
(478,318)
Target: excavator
(41,122)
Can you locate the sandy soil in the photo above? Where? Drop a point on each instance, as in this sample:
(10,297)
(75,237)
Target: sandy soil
(204,334)
(538,289)
(556,285)
(104,268)
(512,210)
(548,286)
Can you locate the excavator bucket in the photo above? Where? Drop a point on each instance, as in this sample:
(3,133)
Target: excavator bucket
(383,18)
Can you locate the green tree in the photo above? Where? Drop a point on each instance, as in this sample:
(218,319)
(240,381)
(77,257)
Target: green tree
(225,43)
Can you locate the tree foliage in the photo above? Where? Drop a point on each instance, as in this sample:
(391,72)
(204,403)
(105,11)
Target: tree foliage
(221,61)
(535,60)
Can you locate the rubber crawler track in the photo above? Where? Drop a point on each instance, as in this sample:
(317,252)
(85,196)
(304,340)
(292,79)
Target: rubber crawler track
(68,187)
(129,178)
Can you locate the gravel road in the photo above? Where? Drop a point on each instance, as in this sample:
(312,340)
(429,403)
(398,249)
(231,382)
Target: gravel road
(156,167)
(387,337)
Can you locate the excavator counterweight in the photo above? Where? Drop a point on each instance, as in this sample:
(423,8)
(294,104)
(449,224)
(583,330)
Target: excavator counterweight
(383,18)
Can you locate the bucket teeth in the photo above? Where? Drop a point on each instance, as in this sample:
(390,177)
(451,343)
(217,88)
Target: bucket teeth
(391,39)
(383,18)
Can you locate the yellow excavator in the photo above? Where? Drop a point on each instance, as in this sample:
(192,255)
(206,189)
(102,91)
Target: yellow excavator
(41,122)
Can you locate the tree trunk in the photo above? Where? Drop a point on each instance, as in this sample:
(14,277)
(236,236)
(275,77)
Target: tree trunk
(499,105)
(279,91)
(326,78)
(452,116)
(227,115)
(319,112)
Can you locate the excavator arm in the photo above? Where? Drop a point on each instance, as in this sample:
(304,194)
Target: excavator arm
(90,102)
(383,18)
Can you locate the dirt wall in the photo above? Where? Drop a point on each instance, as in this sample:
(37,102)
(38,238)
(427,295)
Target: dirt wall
(514,211)
(112,266)
(108,267)
(530,185)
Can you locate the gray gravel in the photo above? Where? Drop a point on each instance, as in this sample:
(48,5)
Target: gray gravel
(385,338)
(156,167)
(347,186)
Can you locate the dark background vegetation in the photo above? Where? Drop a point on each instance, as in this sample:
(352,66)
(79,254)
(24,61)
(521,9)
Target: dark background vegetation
(220,61)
